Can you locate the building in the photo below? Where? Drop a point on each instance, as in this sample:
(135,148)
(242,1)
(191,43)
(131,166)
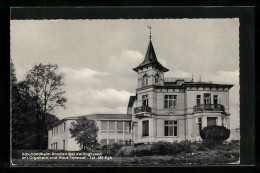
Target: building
(174,109)
(112,128)
(169,109)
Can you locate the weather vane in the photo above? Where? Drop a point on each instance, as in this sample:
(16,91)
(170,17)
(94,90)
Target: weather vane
(150,27)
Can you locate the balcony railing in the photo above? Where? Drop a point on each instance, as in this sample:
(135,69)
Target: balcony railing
(143,109)
(175,79)
(209,107)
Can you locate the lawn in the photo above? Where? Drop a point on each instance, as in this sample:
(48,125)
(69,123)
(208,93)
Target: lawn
(219,155)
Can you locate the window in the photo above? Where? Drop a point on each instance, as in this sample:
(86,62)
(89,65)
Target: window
(63,144)
(145,100)
(207,99)
(55,130)
(211,121)
(156,78)
(223,123)
(103,126)
(51,146)
(198,100)
(54,146)
(119,126)
(145,80)
(199,125)
(170,101)
(64,126)
(127,127)
(52,131)
(112,126)
(215,99)
(146,128)
(171,128)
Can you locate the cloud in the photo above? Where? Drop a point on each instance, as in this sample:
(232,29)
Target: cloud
(178,74)
(80,78)
(126,58)
(163,62)
(90,101)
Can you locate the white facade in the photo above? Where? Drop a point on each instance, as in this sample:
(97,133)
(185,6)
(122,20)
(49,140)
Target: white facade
(174,109)
(112,128)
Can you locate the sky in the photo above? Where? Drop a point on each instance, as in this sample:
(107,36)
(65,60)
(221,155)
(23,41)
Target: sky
(97,56)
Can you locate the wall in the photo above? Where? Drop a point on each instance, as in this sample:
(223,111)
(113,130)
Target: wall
(150,72)
(191,100)
(179,109)
(59,137)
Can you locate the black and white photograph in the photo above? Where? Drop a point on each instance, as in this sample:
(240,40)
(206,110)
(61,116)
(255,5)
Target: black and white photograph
(125,92)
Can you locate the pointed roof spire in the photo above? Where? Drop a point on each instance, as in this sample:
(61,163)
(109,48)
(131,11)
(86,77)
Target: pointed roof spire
(150,58)
(150,27)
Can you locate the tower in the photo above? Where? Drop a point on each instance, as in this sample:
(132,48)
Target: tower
(150,71)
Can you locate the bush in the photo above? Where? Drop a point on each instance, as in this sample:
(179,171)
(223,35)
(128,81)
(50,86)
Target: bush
(140,153)
(140,143)
(185,146)
(111,149)
(211,144)
(216,133)
(163,148)
(168,148)
(201,147)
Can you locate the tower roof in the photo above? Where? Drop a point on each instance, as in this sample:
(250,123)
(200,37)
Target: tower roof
(150,60)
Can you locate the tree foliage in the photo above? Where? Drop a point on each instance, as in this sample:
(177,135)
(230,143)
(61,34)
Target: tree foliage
(85,132)
(32,102)
(217,133)
(44,86)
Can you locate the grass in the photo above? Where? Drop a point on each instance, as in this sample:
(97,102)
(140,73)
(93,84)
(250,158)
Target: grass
(220,155)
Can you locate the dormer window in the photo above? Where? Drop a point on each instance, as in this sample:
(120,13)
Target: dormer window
(145,80)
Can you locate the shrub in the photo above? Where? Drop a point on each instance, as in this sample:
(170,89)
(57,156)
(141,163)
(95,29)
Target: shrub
(162,148)
(185,146)
(211,144)
(168,148)
(140,153)
(111,149)
(140,143)
(216,133)
(201,147)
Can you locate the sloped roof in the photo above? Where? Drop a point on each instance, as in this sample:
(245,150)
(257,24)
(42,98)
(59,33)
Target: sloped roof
(150,59)
(131,101)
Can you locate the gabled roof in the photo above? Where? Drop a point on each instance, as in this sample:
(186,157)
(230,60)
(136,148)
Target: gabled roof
(150,59)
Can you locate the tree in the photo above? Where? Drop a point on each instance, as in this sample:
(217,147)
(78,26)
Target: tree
(23,116)
(85,132)
(44,84)
(214,134)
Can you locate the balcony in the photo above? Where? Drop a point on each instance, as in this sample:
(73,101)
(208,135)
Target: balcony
(209,107)
(142,111)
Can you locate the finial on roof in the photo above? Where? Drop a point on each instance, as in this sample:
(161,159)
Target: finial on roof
(150,27)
